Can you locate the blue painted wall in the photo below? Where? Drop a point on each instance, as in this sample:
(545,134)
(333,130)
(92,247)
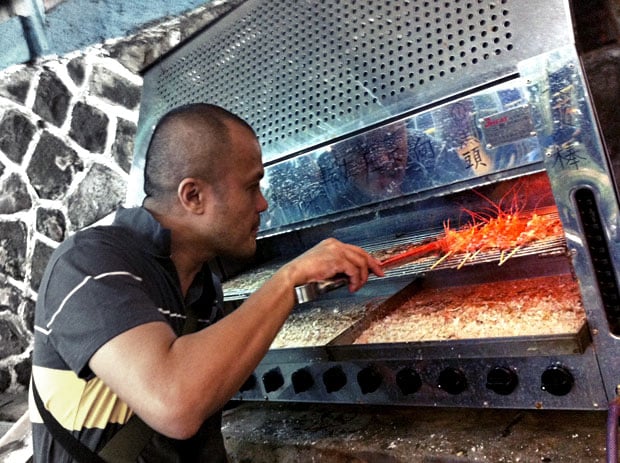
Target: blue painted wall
(76,24)
(13,44)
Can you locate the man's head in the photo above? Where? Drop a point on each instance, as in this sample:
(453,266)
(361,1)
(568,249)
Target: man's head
(189,141)
(202,175)
(376,162)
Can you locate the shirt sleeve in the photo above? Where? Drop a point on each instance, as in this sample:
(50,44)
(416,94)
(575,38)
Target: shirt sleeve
(93,293)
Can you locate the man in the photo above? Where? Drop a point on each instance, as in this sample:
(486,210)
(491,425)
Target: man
(114,301)
(366,168)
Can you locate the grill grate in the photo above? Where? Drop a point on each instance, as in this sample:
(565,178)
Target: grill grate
(241,286)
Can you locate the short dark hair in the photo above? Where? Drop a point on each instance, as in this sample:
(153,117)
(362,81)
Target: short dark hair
(188,141)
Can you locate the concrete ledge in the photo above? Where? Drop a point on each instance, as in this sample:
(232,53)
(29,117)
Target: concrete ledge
(268,433)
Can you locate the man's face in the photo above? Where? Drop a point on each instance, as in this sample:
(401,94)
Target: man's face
(387,153)
(234,212)
(378,166)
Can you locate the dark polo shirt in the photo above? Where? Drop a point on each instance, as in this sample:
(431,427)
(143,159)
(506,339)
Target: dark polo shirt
(99,283)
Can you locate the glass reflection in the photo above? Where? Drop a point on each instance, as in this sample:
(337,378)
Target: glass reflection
(431,149)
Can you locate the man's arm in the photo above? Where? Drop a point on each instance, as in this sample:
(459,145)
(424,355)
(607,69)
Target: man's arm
(174,383)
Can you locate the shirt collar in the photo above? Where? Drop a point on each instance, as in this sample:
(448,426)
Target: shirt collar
(155,238)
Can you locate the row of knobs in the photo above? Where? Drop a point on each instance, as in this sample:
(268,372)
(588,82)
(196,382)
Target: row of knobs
(556,380)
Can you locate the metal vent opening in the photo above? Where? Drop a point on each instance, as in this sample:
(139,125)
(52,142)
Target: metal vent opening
(334,59)
(596,242)
(303,72)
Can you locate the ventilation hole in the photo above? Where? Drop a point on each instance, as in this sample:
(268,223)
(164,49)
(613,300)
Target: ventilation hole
(302,380)
(249,384)
(408,380)
(334,379)
(273,380)
(329,48)
(369,380)
(601,259)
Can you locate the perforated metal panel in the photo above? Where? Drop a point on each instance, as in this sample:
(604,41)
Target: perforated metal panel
(303,72)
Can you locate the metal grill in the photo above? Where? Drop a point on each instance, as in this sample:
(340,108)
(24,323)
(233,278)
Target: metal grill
(241,286)
(481,96)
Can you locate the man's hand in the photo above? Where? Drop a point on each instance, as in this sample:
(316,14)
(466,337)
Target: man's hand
(331,257)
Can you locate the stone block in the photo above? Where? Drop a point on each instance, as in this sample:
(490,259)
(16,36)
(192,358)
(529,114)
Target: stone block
(40,258)
(52,99)
(14,195)
(12,406)
(114,88)
(15,84)
(14,342)
(28,314)
(139,53)
(10,297)
(89,127)
(99,194)
(16,132)
(51,223)
(23,371)
(5,375)
(122,149)
(52,167)
(13,243)
(76,70)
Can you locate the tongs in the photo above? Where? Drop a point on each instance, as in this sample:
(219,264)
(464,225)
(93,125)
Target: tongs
(311,291)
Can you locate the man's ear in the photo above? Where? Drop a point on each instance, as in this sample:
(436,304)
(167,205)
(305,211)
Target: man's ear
(192,194)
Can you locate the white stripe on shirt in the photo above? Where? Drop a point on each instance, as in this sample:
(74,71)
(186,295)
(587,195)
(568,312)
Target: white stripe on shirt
(76,289)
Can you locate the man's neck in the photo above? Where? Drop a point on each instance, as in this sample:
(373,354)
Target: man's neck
(187,266)
(184,252)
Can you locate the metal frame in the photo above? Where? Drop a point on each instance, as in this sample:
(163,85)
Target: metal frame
(313,76)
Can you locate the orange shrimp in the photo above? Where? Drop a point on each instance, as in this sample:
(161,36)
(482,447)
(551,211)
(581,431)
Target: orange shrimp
(537,228)
(503,227)
(412,253)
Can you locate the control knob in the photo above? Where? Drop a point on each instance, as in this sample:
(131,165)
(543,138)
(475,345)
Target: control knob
(502,380)
(557,380)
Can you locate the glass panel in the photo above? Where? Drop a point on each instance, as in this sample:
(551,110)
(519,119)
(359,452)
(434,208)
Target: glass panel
(489,132)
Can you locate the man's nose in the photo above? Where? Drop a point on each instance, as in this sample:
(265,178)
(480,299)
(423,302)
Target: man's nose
(262,204)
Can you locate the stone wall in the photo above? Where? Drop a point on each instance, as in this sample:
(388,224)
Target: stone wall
(66,140)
